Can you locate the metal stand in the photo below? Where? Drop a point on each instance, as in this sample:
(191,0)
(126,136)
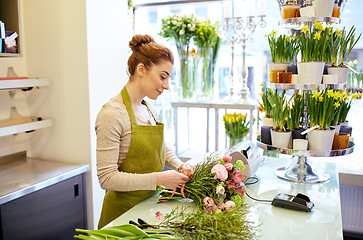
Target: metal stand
(301,171)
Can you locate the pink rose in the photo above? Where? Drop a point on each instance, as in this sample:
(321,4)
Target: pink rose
(209,204)
(237,177)
(227,158)
(220,171)
(229,205)
(228,166)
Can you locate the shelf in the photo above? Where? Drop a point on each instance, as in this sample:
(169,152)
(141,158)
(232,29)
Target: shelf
(10,55)
(293,22)
(307,86)
(309,153)
(26,127)
(23,83)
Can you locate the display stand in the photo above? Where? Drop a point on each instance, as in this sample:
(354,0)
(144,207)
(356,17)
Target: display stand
(300,170)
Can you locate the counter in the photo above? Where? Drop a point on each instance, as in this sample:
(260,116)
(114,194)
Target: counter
(275,223)
(21,176)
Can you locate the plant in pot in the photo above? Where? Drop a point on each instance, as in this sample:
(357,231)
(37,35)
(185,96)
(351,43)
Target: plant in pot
(280,135)
(346,103)
(313,47)
(321,105)
(341,44)
(236,126)
(267,123)
(278,63)
(296,113)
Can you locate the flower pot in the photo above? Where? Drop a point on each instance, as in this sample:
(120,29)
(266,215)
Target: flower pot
(310,72)
(296,133)
(345,129)
(266,135)
(300,144)
(342,73)
(323,8)
(280,139)
(321,140)
(268,122)
(337,128)
(340,141)
(308,11)
(292,68)
(330,79)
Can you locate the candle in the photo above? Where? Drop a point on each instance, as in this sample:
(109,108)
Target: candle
(261,7)
(227,9)
(238,9)
(251,8)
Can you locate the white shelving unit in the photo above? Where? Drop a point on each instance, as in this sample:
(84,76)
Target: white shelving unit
(24,84)
(7,85)
(25,127)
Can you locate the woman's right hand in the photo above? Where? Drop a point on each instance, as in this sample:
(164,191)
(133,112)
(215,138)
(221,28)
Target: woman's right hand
(170,179)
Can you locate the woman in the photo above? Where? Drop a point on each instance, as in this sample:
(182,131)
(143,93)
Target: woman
(130,141)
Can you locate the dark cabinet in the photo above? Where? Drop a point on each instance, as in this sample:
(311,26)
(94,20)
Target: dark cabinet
(50,213)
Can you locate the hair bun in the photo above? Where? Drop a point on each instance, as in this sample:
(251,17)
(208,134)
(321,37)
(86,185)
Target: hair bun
(138,40)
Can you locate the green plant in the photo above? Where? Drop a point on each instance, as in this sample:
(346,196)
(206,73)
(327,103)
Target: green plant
(283,48)
(279,110)
(347,43)
(265,105)
(313,44)
(346,103)
(296,111)
(236,125)
(321,105)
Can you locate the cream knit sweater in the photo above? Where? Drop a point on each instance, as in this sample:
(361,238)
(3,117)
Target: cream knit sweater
(113,130)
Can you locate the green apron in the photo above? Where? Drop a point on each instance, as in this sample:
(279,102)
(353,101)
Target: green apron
(146,155)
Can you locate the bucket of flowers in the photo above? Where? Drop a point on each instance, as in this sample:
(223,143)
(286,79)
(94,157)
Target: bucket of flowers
(236,126)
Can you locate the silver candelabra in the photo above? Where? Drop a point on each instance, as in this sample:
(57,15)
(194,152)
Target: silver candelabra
(240,30)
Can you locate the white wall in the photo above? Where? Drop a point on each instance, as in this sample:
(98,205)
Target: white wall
(107,59)
(82,47)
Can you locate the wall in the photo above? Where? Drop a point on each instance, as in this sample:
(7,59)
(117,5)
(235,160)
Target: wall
(81,46)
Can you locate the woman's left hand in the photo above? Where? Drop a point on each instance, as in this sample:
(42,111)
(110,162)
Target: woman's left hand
(187,169)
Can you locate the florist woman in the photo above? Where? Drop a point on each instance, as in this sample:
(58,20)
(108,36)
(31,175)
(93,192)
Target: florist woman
(130,141)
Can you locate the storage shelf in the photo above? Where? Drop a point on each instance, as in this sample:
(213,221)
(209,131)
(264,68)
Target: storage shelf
(5,131)
(10,55)
(295,22)
(307,86)
(23,83)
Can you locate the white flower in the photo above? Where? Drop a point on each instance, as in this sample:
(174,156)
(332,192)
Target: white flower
(174,22)
(189,25)
(181,32)
(229,205)
(220,189)
(184,25)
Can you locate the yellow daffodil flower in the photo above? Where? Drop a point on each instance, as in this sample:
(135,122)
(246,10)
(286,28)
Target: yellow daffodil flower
(337,31)
(330,93)
(337,95)
(287,39)
(316,94)
(355,61)
(318,25)
(305,28)
(336,104)
(273,33)
(321,98)
(317,36)
(329,31)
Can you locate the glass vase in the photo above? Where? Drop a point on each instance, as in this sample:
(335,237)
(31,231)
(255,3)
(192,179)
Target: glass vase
(207,70)
(233,140)
(186,86)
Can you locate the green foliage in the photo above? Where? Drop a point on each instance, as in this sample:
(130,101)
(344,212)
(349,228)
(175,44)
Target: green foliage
(236,125)
(283,48)
(198,225)
(296,111)
(279,110)
(265,105)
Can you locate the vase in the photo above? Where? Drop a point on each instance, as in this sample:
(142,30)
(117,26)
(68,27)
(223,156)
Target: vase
(280,139)
(266,135)
(207,72)
(235,140)
(185,83)
(342,73)
(310,72)
(323,8)
(321,140)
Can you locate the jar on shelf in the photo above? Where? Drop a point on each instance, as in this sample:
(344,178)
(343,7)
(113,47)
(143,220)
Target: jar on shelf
(290,9)
(336,9)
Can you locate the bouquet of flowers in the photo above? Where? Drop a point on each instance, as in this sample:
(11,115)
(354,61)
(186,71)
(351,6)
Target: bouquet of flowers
(237,126)
(216,185)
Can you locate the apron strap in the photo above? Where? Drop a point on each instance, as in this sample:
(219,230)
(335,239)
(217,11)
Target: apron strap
(148,108)
(126,98)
